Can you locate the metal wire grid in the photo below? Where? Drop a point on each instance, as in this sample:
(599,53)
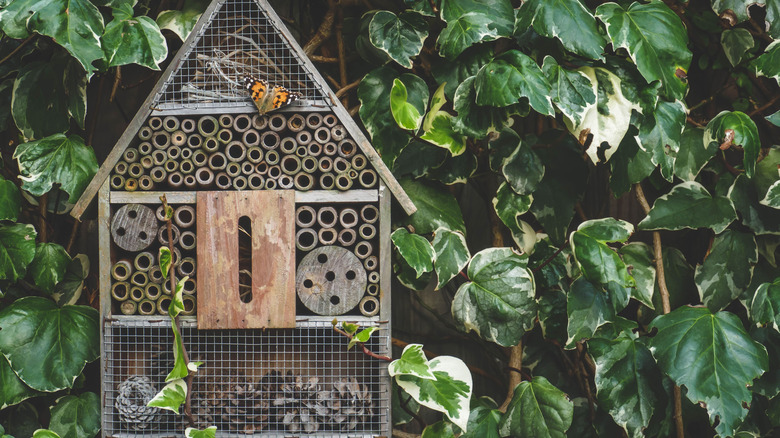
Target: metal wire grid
(238,40)
(235,357)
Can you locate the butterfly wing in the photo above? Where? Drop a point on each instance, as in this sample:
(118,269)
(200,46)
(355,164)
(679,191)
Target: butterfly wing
(269,97)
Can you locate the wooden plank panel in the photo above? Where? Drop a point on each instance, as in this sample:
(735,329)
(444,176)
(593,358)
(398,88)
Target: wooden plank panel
(273,259)
(311,196)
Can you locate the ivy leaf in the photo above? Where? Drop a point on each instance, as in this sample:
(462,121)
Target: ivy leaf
(422,6)
(449,393)
(568,21)
(736,42)
(438,126)
(177,301)
(661,137)
(68,290)
(598,262)
(772,198)
(405,114)
(689,205)
(629,165)
(181,22)
(768,64)
(435,208)
(628,382)
(17,250)
(439,429)
(10,200)
(76,416)
(691,157)
(738,129)
(76,25)
(552,315)
(571,90)
(400,36)
(171,397)
(508,206)
(523,169)
(537,409)
(639,258)
(362,337)
(133,40)
(473,21)
(451,254)
(415,249)
(588,308)
(774,118)
(417,159)
(759,218)
(400,405)
(209,432)
(49,265)
(164,256)
(12,389)
(656,40)
(45,433)
(738,7)
(765,307)
(374,95)
(498,303)
(66,161)
(510,76)
(478,121)
(411,363)
(727,270)
(36,335)
(451,73)
(699,350)
(483,419)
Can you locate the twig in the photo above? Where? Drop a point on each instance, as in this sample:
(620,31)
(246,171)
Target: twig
(17,49)
(117,80)
(515,364)
(323,59)
(695,123)
(347,87)
(765,106)
(323,32)
(400,434)
(583,374)
(661,276)
(342,55)
(550,259)
(73,233)
(42,210)
(366,351)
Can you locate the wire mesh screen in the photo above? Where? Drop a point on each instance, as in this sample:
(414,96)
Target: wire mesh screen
(276,382)
(238,40)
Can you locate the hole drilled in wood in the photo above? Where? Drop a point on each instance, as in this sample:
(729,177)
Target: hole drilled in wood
(245,259)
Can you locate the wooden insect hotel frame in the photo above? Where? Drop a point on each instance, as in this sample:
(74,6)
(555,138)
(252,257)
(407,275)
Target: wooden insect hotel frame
(281,222)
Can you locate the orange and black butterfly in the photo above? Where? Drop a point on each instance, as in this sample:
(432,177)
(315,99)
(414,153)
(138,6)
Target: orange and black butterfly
(269,97)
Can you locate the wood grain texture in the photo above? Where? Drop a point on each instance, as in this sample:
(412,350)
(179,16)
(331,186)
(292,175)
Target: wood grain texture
(273,259)
(330,280)
(134,227)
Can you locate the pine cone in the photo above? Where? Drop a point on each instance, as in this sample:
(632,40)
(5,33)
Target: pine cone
(206,407)
(350,405)
(134,393)
(301,404)
(245,409)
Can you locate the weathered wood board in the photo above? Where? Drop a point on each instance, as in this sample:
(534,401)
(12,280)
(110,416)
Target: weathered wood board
(272,214)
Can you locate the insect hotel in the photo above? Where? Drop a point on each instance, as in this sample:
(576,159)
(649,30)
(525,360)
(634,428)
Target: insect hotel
(281,222)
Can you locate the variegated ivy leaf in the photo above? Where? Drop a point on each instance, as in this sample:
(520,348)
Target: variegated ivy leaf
(45,433)
(692,158)
(765,307)
(736,42)
(537,409)
(49,265)
(472,21)
(411,363)
(567,20)
(164,256)
(689,205)
(607,120)
(523,169)
(772,198)
(478,121)
(508,206)
(449,392)
(406,114)
(17,250)
(439,429)
(362,337)
(182,21)
(133,40)
(400,36)
(171,397)
(452,254)
(438,126)
(588,308)
(598,262)
(639,258)
(415,249)
(10,200)
(180,368)
(738,7)
(511,76)
(572,90)
(209,432)
(735,129)
(727,270)
(661,137)
(177,301)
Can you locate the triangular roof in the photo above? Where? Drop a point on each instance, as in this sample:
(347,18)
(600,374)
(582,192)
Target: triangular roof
(175,93)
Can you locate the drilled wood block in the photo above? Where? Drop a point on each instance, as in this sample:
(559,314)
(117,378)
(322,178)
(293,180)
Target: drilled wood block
(272,216)
(330,280)
(134,227)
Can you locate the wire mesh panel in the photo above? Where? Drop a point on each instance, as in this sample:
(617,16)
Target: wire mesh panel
(290,382)
(238,40)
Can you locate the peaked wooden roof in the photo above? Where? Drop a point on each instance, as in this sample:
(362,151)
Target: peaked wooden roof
(150,105)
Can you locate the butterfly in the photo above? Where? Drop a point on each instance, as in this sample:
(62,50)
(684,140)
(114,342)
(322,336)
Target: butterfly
(269,97)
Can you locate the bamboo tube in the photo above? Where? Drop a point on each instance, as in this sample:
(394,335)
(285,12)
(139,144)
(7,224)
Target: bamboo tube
(170,123)
(363,249)
(217,161)
(306,239)
(255,181)
(188,126)
(373,276)
(247,168)
(309,164)
(233,169)
(341,165)
(162,234)
(272,157)
(372,289)
(235,151)
(208,126)
(290,164)
(303,181)
(152,291)
(327,236)
(343,181)
(186,153)
(259,122)
(225,120)
(131,184)
(155,275)
(120,290)
(261,168)
(159,157)
(251,138)
(327,181)
(162,305)
(254,154)
(204,176)
(130,155)
(121,270)
(171,166)
(147,162)
(145,133)
(210,144)
(178,138)
(143,261)
(348,217)
(223,181)
(330,149)
(285,182)
(302,151)
(140,279)
(190,286)
(240,182)
(135,170)
(194,141)
(296,123)
(117,182)
(147,307)
(175,179)
(347,148)
(187,240)
(305,216)
(338,133)
(270,184)
(369,306)
(322,135)
(359,162)
(367,231)
(160,213)
(277,122)
(369,214)
(370,263)
(155,123)
(145,148)
(184,216)
(325,164)
(186,167)
(347,237)
(200,159)
(303,137)
(190,182)
(175,257)
(327,217)
(225,136)
(269,140)
(330,120)
(189,305)
(128,307)
(288,145)
(314,149)
(161,139)
(352,173)
(120,168)
(174,152)
(368,178)
(186,267)
(313,121)
(242,122)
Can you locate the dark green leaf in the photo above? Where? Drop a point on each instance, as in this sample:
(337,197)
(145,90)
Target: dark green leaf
(738,7)
(768,385)
(439,429)
(478,121)
(415,249)
(735,129)
(508,206)
(567,20)
(374,94)
(692,157)
(17,250)
(498,303)
(40,103)
(407,276)
(629,165)
(661,137)
(523,169)
(400,36)
(589,308)
(713,357)
(759,218)
(639,258)
(466,65)
(12,389)
(735,43)
(10,200)
(765,307)
(537,409)
(76,416)
(49,265)
(452,254)
(133,40)
(436,207)
(571,90)
(182,21)
(483,419)
(68,290)
(774,118)
(36,336)
(509,77)
(552,315)
(689,205)
(598,262)
(473,21)
(422,6)
(727,270)
(418,158)
(401,404)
